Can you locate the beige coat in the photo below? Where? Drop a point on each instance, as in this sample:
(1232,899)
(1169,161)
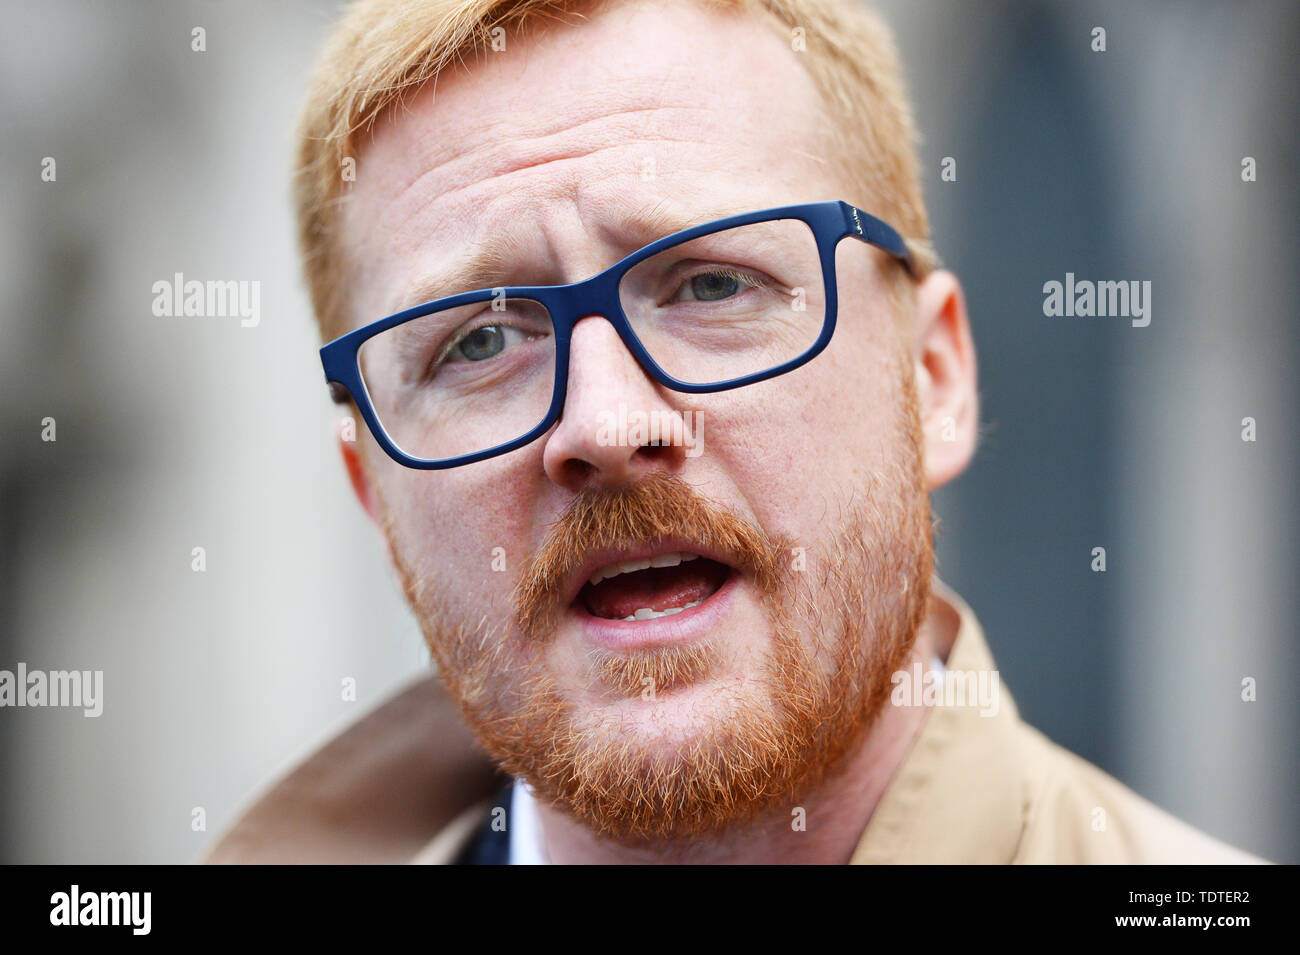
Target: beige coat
(407,783)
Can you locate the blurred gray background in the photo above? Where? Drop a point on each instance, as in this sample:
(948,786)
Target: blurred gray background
(176,433)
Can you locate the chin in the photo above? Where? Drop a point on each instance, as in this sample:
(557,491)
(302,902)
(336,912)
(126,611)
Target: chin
(677,715)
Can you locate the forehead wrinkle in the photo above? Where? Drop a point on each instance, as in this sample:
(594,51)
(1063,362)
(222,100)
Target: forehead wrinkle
(502,176)
(507,155)
(409,224)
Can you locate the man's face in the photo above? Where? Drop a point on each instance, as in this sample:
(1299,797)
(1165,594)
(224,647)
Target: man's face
(806,506)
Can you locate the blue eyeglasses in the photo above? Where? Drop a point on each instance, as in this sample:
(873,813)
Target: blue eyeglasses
(718,306)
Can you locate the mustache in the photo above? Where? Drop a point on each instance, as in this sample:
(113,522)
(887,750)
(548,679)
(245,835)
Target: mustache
(657,507)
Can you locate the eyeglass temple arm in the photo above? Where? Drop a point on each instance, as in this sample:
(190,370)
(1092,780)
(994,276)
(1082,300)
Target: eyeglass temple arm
(873,231)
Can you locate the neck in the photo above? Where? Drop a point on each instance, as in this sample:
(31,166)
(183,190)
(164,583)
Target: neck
(835,814)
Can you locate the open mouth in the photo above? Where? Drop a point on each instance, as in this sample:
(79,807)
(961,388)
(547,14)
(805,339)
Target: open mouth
(651,587)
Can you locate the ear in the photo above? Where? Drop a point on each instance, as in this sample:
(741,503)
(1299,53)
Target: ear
(359,475)
(363,486)
(946,378)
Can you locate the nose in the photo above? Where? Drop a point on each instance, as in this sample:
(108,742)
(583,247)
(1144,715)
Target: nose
(617,423)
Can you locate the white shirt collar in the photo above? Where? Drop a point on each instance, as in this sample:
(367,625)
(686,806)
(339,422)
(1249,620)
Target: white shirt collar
(526,846)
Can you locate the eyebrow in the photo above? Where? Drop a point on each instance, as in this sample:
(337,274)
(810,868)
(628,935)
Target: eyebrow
(489,263)
(484,267)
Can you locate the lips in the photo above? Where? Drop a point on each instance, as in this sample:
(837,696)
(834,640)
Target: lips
(649,588)
(662,583)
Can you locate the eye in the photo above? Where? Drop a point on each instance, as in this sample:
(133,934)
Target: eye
(480,344)
(715,285)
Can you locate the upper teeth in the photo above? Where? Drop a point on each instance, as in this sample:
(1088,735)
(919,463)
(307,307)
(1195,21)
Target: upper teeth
(671,559)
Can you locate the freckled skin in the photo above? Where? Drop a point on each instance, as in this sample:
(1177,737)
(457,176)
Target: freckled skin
(548,142)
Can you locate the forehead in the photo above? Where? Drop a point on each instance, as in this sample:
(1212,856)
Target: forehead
(577,126)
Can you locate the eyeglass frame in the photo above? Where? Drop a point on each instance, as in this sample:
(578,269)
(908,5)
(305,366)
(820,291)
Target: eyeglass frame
(830,222)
